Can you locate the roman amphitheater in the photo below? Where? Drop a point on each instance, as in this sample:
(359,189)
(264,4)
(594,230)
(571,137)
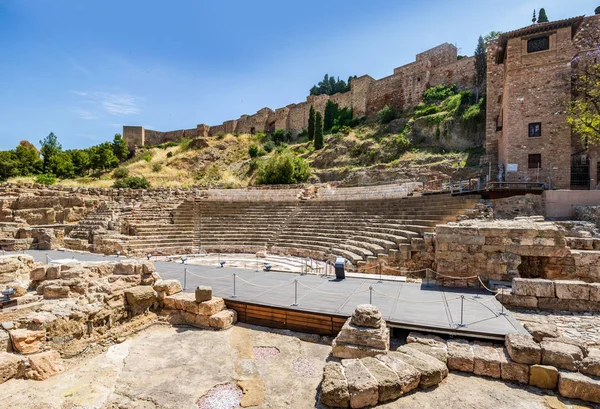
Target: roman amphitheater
(475,293)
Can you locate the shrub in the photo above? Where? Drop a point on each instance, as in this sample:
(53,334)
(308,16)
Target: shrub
(386,114)
(147,157)
(132,182)
(438,93)
(253,151)
(45,179)
(283,169)
(184,144)
(120,173)
(269,146)
(425,110)
(278,136)
(156,167)
(170,155)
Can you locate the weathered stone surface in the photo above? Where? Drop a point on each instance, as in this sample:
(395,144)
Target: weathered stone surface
(211,307)
(253,391)
(203,293)
(408,376)
(432,370)
(591,363)
(358,342)
(28,342)
(348,351)
(579,386)
(387,380)
(523,349)
(543,376)
(439,353)
(223,319)
(506,297)
(181,301)
(460,355)
(53,272)
(541,331)
(140,298)
(366,315)
(486,361)
(594,292)
(536,287)
(334,387)
(10,366)
(553,304)
(44,365)
(425,339)
(5,343)
(362,386)
(561,355)
(168,287)
(38,274)
(572,290)
(56,291)
(512,371)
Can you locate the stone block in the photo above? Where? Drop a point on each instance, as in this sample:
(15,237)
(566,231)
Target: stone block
(377,338)
(439,353)
(334,387)
(426,339)
(561,355)
(349,351)
(432,370)
(523,349)
(203,293)
(362,386)
(168,287)
(38,274)
(44,365)
(594,292)
(536,287)
(56,291)
(408,376)
(223,319)
(28,342)
(591,363)
(553,304)
(506,297)
(543,376)
(578,386)
(366,315)
(182,302)
(387,380)
(53,272)
(10,366)
(541,331)
(460,355)
(140,298)
(211,307)
(486,361)
(512,371)
(572,290)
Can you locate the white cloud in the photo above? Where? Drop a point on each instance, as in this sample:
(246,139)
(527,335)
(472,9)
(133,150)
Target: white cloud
(108,103)
(85,114)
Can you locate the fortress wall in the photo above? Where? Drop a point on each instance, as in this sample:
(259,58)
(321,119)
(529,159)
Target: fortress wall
(443,54)
(386,91)
(459,72)
(360,89)
(134,135)
(297,119)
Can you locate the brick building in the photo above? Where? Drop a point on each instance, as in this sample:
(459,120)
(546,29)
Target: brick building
(528,138)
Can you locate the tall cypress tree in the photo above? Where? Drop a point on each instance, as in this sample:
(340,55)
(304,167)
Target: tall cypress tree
(318,131)
(331,112)
(542,18)
(311,123)
(480,67)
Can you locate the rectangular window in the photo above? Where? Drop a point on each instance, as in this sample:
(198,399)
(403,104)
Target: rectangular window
(535,129)
(535,161)
(538,44)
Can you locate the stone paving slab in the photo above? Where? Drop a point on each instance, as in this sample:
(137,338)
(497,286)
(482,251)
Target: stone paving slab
(401,303)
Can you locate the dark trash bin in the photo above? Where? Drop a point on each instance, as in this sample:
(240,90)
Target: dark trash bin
(340,264)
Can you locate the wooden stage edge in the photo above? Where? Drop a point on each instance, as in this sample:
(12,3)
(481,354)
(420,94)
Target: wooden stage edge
(310,322)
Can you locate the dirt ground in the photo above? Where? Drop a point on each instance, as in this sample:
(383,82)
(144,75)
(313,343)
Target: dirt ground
(166,367)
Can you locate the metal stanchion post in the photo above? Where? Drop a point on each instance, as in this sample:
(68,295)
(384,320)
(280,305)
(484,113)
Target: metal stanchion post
(502,301)
(371,295)
(462,305)
(295,304)
(379,274)
(185,278)
(46,258)
(234,296)
(257,263)
(478,288)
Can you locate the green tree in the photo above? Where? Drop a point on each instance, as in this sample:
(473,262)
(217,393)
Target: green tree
(542,18)
(584,109)
(120,147)
(331,112)
(492,35)
(28,158)
(283,169)
(81,161)
(311,123)
(49,148)
(480,67)
(61,166)
(387,114)
(318,131)
(103,158)
(9,165)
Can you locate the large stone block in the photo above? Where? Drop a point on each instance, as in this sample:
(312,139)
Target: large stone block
(561,355)
(387,380)
(353,340)
(181,302)
(408,376)
(536,287)
(523,349)
(366,315)
(541,331)
(44,365)
(223,319)
(334,387)
(439,353)
(140,298)
(594,292)
(543,376)
(362,386)
(486,361)
(460,355)
(426,339)
(507,297)
(512,371)
(572,290)
(578,386)
(28,342)
(591,363)
(10,366)
(168,287)
(211,307)
(432,370)
(203,293)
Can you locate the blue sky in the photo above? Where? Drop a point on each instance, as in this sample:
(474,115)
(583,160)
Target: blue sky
(83,69)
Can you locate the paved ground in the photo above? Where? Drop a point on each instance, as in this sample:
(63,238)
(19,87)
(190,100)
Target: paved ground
(172,368)
(402,304)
